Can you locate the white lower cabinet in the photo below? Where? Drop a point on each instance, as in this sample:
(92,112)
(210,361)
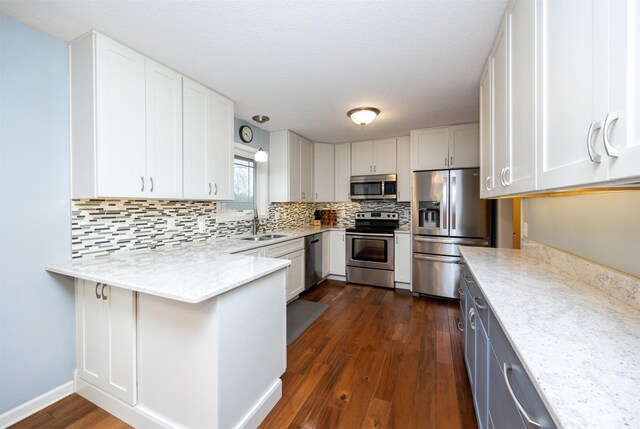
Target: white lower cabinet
(337,253)
(295,273)
(402,267)
(106,335)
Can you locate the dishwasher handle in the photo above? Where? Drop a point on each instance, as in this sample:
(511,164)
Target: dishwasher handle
(435,258)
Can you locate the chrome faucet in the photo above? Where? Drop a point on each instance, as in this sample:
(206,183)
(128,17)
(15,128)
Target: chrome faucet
(256,222)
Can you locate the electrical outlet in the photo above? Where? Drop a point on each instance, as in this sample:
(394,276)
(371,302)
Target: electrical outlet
(525,229)
(202,224)
(171,223)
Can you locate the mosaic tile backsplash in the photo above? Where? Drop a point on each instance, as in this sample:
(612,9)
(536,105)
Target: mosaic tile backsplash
(102,227)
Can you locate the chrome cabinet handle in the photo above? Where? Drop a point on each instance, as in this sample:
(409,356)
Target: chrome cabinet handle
(209,188)
(460,291)
(502,178)
(595,156)
(477,303)
(316,195)
(507,170)
(141,184)
(610,119)
(472,313)
(151,180)
(216,189)
(487,183)
(370,169)
(446,161)
(97,294)
(450,160)
(104,297)
(506,367)
(375,168)
(460,327)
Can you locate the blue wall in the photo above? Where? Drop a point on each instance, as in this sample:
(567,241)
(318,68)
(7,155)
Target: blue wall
(260,136)
(37,335)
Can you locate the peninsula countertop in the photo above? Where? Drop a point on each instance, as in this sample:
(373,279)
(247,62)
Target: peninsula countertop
(580,346)
(190,272)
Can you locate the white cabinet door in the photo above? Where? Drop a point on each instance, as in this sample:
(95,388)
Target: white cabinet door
(294,182)
(464,151)
(362,158)
(500,109)
(198,141)
(342,172)
(572,68)
(326,253)
(222,110)
(486,128)
(429,148)
(624,90)
(295,273)
(163,131)
(306,170)
(119,333)
(323,172)
(402,268)
(120,111)
(404,169)
(106,329)
(521,163)
(384,156)
(337,253)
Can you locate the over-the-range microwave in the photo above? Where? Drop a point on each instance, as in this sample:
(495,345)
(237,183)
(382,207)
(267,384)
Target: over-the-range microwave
(381,187)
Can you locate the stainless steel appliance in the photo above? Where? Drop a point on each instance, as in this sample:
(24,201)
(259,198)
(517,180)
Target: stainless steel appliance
(381,187)
(370,252)
(312,260)
(446,212)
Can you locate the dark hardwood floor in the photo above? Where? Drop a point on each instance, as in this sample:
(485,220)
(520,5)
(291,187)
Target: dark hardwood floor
(377,358)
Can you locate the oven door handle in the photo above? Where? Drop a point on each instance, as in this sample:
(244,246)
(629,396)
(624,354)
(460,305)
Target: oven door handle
(368,234)
(445,259)
(445,240)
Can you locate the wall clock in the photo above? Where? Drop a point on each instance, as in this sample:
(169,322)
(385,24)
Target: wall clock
(246,133)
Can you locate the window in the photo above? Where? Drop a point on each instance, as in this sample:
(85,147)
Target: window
(244,175)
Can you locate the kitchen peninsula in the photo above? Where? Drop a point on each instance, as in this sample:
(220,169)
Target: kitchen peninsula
(183,337)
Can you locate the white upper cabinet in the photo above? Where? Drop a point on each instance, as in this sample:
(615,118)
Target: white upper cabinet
(444,147)
(404,169)
(119,85)
(222,109)
(342,172)
(588,132)
(500,110)
(324,175)
(373,157)
(198,141)
(429,148)
(164,131)
(486,130)
(130,137)
(463,146)
(290,167)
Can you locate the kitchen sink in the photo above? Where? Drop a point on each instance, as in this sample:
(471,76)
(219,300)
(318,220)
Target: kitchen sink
(263,237)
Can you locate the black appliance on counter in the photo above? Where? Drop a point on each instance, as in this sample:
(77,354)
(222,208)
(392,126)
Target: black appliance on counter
(370,249)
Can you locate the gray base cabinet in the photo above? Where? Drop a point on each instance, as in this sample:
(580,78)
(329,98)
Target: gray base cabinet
(503,395)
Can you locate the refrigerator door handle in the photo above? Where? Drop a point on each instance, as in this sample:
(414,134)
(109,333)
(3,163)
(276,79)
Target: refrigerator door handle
(444,207)
(453,202)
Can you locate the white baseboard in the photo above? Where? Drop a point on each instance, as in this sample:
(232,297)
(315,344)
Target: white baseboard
(336,277)
(263,407)
(404,286)
(23,411)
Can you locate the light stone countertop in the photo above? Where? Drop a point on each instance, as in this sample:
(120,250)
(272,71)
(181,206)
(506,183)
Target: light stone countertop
(190,272)
(580,346)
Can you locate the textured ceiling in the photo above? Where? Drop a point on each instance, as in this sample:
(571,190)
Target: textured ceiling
(304,63)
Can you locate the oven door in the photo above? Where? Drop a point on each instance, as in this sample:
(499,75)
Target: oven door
(370,251)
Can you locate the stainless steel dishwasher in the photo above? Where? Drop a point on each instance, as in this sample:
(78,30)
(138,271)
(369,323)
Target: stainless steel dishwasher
(312,260)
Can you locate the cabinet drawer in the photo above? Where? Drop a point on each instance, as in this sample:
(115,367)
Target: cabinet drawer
(475,298)
(283,248)
(512,375)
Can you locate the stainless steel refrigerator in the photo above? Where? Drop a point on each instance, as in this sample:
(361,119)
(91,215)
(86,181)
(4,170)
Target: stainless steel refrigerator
(446,212)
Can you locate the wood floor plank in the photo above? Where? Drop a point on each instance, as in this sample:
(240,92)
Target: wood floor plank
(377,415)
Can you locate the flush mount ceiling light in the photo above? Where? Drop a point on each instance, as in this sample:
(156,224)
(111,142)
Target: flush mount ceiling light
(363,115)
(260,155)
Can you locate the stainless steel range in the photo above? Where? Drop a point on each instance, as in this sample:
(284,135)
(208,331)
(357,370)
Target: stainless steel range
(370,254)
